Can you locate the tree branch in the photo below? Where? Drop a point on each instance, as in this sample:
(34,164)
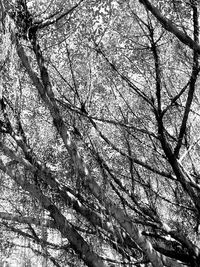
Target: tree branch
(27,220)
(45,23)
(170,27)
(194,75)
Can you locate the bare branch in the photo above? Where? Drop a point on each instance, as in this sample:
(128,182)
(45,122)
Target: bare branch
(169,26)
(27,220)
(45,23)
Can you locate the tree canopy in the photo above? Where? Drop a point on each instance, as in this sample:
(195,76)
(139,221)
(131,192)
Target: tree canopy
(99,133)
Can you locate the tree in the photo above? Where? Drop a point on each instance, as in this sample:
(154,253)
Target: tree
(99,132)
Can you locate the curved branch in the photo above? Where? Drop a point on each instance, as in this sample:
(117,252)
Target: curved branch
(45,23)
